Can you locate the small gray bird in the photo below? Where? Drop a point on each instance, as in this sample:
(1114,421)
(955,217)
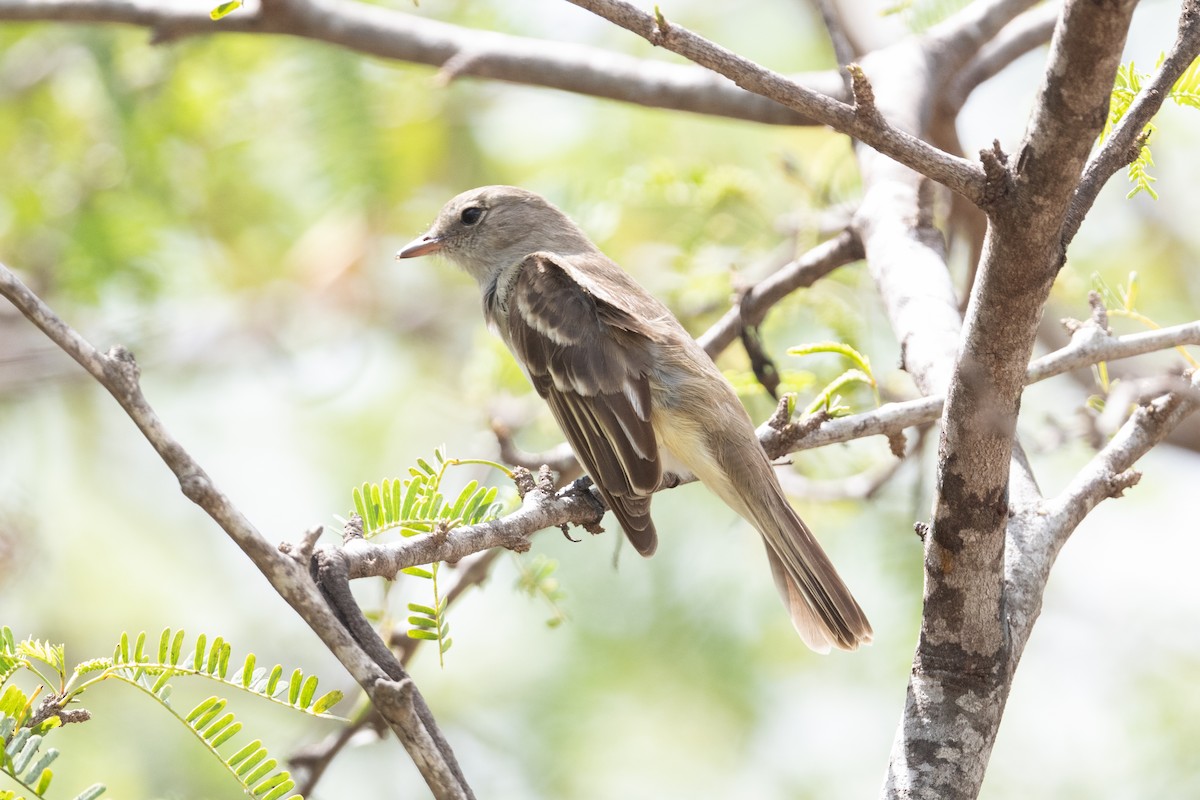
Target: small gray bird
(637,398)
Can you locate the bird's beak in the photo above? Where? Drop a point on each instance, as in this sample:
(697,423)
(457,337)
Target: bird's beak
(421,247)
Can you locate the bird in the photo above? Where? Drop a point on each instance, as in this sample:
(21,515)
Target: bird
(640,402)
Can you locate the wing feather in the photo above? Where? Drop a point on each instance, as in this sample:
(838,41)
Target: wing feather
(591,361)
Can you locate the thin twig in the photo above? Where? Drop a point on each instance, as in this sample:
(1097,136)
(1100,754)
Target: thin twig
(757,300)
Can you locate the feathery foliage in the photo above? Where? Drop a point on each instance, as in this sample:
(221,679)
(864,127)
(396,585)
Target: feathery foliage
(417,505)
(24,726)
(1185,92)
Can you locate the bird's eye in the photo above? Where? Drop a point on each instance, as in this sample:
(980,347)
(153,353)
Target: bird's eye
(471,215)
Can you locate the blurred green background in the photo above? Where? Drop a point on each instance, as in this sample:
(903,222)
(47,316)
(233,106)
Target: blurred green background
(228,208)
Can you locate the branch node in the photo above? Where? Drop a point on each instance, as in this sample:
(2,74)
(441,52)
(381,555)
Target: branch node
(1117,484)
(121,366)
(353,529)
(394,698)
(661,29)
(1099,312)
(302,551)
(523,479)
(997,181)
(196,486)
(863,93)
(781,417)
(545,480)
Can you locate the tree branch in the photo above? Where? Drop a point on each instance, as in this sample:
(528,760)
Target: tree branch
(542,507)
(963,656)
(118,373)
(960,37)
(1032,29)
(460,52)
(1038,532)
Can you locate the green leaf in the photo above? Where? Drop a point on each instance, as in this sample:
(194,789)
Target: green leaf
(376,507)
(216,726)
(201,708)
(420,609)
(410,496)
(282,789)
(44,778)
(210,713)
(463,498)
(176,647)
(424,465)
(423,622)
(273,680)
(389,510)
(825,398)
(840,348)
(228,734)
(360,506)
(244,753)
(294,687)
(157,687)
(92,792)
(272,784)
(327,701)
(262,770)
(201,649)
(225,9)
(248,670)
(308,691)
(418,633)
(417,572)
(164,645)
(257,754)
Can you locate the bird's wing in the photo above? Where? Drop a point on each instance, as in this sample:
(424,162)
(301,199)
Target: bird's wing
(591,359)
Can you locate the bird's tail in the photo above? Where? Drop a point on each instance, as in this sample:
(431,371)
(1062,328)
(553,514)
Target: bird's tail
(822,609)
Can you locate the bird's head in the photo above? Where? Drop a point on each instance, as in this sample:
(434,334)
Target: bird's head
(487,229)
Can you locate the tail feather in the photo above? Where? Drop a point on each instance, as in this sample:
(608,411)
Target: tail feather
(822,609)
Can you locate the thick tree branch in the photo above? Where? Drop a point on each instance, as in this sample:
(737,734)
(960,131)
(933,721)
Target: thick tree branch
(1125,141)
(118,373)
(460,52)
(862,121)
(962,656)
